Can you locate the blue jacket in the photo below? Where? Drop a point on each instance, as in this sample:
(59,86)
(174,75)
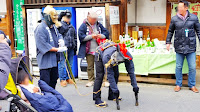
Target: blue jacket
(105,55)
(44,43)
(182,43)
(82,33)
(51,101)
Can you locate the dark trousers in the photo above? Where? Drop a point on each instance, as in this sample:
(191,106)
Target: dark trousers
(50,76)
(99,79)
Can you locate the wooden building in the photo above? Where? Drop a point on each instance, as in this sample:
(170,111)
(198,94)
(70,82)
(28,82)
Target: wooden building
(6,24)
(156,31)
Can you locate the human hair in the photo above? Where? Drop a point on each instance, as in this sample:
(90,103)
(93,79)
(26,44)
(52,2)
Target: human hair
(186,3)
(21,76)
(176,9)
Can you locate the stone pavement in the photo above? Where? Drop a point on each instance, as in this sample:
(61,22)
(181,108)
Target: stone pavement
(152,98)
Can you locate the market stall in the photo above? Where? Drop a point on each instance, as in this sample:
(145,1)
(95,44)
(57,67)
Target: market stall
(150,56)
(146,64)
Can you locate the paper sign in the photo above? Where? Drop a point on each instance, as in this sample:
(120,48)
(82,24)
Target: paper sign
(114,15)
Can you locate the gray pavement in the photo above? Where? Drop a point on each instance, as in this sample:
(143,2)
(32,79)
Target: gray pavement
(152,98)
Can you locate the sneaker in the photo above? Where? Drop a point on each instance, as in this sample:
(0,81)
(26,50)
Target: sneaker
(70,81)
(106,84)
(63,83)
(89,84)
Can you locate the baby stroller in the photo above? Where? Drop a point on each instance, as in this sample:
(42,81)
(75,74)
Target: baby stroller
(11,96)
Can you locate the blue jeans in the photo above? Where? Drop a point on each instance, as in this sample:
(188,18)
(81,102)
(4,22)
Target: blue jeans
(191,59)
(61,66)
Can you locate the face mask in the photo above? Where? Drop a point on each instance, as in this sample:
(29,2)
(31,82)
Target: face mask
(51,18)
(48,20)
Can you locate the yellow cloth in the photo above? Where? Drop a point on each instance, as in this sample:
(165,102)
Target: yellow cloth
(11,85)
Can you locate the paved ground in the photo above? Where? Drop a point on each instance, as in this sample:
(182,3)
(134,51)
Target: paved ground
(152,98)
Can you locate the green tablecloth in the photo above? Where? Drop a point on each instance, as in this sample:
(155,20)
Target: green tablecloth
(154,64)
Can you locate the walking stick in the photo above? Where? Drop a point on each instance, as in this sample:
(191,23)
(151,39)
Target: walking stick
(117,102)
(136,99)
(69,68)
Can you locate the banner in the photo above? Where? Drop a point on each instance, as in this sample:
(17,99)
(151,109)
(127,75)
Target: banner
(18,23)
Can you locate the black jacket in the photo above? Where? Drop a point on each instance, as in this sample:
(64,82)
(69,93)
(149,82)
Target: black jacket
(183,44)
(69,35)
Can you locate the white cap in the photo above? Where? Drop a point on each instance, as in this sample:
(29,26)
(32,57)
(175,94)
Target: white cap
(92,14)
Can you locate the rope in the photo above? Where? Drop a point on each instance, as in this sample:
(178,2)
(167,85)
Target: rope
(71,79)
(77,90)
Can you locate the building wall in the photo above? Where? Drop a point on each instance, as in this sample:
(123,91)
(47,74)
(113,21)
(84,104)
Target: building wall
(147,11)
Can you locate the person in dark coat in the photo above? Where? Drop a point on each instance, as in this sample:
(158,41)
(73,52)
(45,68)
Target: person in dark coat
(70,37)
(107,58)
(88,33)
(184,25)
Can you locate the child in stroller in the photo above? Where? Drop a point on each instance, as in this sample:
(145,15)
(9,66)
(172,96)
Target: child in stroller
(23,81)
(49,101)
(43,99)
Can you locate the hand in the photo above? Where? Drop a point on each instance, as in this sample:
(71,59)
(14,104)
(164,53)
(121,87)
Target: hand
(61,43)
(62,49)
(99,36)
(35,90)
(3,39)
(168,47)
(94,36)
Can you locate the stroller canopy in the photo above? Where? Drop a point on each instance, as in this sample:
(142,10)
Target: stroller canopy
(20,63)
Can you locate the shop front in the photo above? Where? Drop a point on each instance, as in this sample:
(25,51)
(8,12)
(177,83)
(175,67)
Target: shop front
(145,36)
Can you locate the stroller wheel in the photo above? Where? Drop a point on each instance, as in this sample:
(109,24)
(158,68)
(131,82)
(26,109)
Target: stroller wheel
(14,108)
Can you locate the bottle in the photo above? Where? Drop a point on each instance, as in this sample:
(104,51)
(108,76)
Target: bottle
(148,40)
(148,35)
(120,38)
(123,37)
(152,43)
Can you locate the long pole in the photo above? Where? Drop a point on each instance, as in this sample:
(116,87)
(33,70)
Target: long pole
(69,67)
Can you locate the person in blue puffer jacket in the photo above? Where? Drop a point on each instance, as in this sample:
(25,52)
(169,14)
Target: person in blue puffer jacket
(70,37)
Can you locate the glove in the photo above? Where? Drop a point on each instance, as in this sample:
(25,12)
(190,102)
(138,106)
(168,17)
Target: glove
(62,49)
(61,43)
(136,90)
